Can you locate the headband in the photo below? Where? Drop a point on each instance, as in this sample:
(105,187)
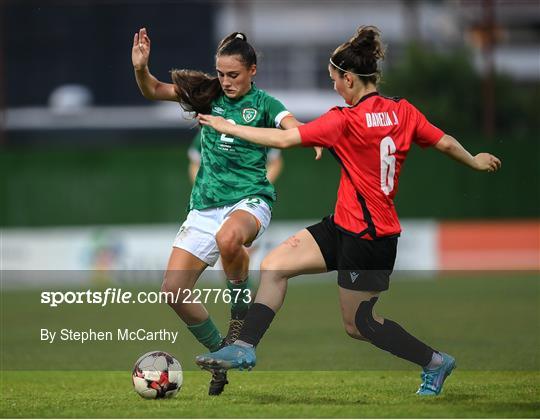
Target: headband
(348,71)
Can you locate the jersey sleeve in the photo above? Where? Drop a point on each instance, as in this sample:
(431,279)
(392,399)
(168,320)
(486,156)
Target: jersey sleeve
(275,112)
(426,134)
(194,151)
(325,131)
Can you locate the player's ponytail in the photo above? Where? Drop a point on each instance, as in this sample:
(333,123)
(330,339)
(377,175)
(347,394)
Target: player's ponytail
(237,44)
(360,54)
(195,90)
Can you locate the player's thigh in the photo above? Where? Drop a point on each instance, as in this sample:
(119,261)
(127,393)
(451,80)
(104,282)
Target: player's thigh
(299,254)
(246,220)
(183,270)
(349,302)
(239,227)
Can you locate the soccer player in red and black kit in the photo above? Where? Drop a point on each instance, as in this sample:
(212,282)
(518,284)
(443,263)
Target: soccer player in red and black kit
(370,139)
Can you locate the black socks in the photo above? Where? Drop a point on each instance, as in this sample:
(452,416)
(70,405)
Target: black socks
(391,337)
(257,321)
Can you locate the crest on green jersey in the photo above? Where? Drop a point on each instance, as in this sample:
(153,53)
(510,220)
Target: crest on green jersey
(249,114)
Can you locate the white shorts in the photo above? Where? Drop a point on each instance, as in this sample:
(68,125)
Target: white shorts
(197,235)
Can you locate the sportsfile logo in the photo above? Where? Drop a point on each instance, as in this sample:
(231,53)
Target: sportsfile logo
(119,296)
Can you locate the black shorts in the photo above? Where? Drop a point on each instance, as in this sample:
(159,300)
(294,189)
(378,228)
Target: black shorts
(362,264)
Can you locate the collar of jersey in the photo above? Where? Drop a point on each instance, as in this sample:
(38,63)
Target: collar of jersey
(234,101)
(363,98)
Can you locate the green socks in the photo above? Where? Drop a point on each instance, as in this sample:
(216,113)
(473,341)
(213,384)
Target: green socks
(207,334)
(240,298)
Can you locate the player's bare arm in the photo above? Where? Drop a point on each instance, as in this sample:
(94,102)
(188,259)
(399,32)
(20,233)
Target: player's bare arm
(273,169)
(150,87)
(271,137)
(291,122)
(481,162)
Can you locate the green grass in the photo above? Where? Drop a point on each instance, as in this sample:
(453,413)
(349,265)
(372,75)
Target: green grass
(307,365)
(467,317)
(279,394)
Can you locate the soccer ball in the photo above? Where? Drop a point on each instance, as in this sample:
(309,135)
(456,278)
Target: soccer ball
(157,375)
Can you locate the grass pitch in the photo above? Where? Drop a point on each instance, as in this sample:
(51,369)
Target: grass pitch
(262,394)
(307,366)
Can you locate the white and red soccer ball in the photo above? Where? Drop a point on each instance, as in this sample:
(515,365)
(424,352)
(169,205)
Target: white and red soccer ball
(157,374)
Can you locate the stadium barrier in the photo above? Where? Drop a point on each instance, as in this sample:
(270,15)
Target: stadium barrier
(489,245)
(425,246)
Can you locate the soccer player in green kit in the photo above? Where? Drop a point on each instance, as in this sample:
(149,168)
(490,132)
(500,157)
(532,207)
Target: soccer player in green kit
(274,161)
(231,200)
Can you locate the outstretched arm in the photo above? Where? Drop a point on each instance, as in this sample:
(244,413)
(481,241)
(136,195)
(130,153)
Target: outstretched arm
(150,87)
(291,122)
(271,137)
(481,162)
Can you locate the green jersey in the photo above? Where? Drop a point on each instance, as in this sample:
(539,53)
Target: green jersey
(233,169)
(194,151)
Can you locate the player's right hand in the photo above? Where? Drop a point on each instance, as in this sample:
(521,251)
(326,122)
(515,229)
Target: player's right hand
(487,162)
(141,49)
(217,123)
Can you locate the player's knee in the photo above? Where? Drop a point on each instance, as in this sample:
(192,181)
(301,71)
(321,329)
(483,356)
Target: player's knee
(270,263)
(272,272)
(229,241)
(364,321)
(272,267)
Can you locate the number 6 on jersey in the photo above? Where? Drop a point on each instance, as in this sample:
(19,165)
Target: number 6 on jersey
(388,164)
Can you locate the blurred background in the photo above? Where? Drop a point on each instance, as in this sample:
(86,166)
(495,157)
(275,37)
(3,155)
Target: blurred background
(94,178)
(93,175)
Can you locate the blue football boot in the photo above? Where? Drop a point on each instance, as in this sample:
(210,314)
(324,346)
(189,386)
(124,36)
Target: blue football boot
(433,379)
(229,357)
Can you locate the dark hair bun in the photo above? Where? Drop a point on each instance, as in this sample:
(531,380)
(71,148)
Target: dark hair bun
(367,42)
(360,54)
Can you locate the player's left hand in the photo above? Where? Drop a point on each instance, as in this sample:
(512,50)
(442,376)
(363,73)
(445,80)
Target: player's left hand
(487,162)
(140,52)
(318,152)
(217,123)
